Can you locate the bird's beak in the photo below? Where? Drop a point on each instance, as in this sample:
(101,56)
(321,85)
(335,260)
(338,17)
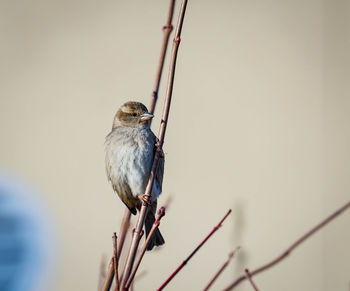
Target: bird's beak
(146,116)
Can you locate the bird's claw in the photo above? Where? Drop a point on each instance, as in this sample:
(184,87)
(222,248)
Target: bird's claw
(144,198)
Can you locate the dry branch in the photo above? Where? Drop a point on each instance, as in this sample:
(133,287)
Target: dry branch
(123,230)
(161,213)
(195,250)
(108,283)
(136,239)
(115,262)
(292,247)
(249,278)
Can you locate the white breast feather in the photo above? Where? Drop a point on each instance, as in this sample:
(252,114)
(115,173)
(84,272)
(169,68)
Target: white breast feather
(129,156)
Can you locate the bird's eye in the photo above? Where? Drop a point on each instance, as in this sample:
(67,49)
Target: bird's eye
(134,114)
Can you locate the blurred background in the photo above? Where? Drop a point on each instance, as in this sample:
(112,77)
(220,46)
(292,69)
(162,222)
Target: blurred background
(259,123)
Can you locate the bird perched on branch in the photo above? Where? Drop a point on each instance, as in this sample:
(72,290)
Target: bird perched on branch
(130,148)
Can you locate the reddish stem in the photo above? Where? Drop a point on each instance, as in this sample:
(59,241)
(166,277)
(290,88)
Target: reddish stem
(195,250)
(249,278)
(167,28)
(123,230)
(161,213)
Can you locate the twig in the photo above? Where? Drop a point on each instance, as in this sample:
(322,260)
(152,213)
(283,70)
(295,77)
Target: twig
(161,213)
(167,28)
(123,230)
(109,279)
(108,283)
(115,262)
(195,250)
(292,247)
(223,267)
(162,129)
(249,278)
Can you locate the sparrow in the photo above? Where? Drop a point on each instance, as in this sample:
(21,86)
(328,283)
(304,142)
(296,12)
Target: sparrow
(130,148)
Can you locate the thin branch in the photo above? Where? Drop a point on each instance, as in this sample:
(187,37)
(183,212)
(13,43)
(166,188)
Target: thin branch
(162,129)
(195,250)
(249,278)
(161,213)
(123,230)
(108,283)
(292,247)
(223,267)
(167,28)
(115,262)
(109,279)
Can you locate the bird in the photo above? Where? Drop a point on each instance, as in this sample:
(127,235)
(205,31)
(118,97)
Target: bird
(129,149)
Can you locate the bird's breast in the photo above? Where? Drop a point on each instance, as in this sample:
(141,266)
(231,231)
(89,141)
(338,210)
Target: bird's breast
(129,156)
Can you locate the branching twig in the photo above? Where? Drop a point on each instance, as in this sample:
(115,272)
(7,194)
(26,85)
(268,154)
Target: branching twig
(123,230)
(292,247)
(223,267)
(249,278)
(161,136)
(161,213)
(195,250)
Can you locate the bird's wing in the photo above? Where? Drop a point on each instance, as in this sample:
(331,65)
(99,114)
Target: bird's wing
(127,198)
(160,173)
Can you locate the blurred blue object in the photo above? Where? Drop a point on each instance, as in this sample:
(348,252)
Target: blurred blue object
(26,243)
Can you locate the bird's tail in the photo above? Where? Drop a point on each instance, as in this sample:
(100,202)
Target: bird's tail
(157,238)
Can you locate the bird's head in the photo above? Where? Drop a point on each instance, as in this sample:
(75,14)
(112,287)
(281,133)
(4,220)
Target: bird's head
(132,114)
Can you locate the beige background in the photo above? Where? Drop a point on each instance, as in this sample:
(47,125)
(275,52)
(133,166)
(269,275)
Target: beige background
(259,123)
